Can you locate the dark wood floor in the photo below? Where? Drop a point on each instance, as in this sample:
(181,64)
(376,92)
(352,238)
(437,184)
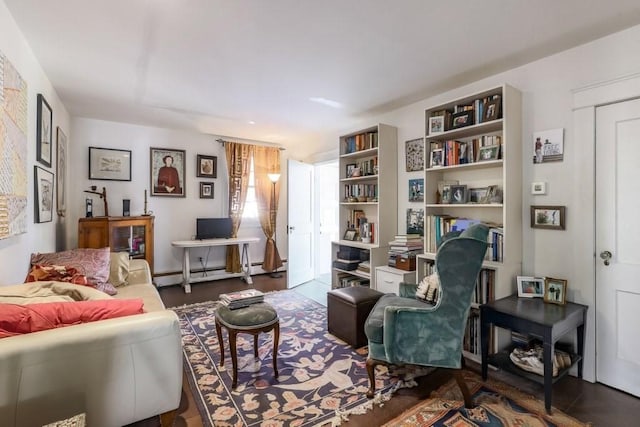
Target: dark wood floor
(595,403)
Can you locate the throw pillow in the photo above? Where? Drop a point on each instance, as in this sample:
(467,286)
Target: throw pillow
(119,269)
(16,319)
(429,289)
(93,263)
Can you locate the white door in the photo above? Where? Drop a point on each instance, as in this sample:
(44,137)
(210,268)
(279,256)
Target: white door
(617,235)
(300,222)
(326,215)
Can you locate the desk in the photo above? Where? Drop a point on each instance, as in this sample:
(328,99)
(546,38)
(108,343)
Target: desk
(187,245)
(549,322)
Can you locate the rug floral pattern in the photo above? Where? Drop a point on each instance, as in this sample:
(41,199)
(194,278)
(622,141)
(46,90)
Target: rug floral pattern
(321,377)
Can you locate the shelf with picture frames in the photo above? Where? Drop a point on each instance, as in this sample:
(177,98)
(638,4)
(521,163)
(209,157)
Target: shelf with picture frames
(482,161)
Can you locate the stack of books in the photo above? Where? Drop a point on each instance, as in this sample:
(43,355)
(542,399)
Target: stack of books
(403,247)
(241,299)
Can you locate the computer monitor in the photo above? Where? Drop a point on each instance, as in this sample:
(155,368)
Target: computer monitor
(213,228)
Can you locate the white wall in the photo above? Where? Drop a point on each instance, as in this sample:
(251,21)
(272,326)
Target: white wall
(15,251)
(175,218)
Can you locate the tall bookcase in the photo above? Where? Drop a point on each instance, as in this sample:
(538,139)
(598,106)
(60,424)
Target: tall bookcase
(368,189)
(463,160)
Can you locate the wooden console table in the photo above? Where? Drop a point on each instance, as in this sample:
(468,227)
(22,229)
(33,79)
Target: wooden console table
(245,260)
(548,322)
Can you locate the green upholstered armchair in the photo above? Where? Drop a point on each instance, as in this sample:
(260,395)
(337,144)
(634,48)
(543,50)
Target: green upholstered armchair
(405,330)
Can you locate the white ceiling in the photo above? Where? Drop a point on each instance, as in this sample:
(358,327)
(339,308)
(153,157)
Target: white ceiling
(248,68)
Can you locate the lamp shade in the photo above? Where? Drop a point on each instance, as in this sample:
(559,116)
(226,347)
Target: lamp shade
(273,177)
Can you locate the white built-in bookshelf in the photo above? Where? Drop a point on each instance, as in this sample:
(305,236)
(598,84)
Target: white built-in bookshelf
(368,190)
(484,154)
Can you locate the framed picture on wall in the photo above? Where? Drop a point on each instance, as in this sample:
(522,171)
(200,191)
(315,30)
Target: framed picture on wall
(414,154)
(109,164)
(44,132)
(167,172)
(550,217)
(206,190)
(416,190)
(43,183)
(207,166)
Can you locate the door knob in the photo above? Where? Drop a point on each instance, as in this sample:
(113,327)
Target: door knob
(606,256)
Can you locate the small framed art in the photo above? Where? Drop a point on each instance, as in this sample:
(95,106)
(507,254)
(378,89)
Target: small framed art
(436,158)
(44,131)
(462,119)
(490,152)
(478,195)
(555,291)
(350,234)
(414,154)
(43,181)
(530,287)
(550,217)
(416,190)
(436,125)
(458,194)
(492,109)
(207,166)
(109,164)
(206,190)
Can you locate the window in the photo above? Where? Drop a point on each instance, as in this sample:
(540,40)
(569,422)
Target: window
(250,213)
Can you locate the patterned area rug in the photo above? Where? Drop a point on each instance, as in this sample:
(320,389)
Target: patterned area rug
(497,404)
(321,381)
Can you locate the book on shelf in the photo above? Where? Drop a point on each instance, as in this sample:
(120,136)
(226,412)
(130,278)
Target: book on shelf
(363,141)
(407,237)
(241,299)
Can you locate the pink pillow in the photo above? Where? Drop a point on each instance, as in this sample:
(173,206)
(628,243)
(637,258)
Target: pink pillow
(18,319)
(92,263)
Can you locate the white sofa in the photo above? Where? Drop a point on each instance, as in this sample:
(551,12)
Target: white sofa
(116,371)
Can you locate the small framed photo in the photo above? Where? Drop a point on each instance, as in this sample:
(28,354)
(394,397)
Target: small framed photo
(207,166)
(109,164)
(458,194)
(436,158)
(548,146)
(530,287)
(492,109)
(167,172)
(414,154)
(462,119)
(206,190)
(43,182)
(350,234)
(490,152)
(555,291)
(44,131)
(436,125)
(416,190)
(550,217)
(351,167)
(478,195)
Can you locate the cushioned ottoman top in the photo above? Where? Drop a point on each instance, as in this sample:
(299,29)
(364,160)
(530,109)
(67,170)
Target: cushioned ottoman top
(253,316)
(356,294)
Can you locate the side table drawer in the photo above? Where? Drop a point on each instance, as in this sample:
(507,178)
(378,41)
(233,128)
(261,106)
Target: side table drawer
(388,279)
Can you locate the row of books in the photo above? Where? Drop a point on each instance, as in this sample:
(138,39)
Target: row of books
(367,167)
(485,284)
(436,226)
(471,341)
(370,191)
(345,280)
(241,299)
(455,152)
(363,141)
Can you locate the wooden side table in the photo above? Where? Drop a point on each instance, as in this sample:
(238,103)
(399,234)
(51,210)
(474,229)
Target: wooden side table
(548,322)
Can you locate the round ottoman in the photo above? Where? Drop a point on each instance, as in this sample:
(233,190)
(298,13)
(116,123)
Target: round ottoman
(256,318)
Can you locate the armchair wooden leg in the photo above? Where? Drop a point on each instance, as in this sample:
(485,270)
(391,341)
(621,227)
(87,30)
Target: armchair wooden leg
(468,401)
(167,418)
(371,371)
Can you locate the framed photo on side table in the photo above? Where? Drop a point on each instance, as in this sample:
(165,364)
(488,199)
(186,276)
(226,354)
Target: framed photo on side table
(530,287)
(44,131)
(167,172)
(555,291)
(109,164)
(207,166)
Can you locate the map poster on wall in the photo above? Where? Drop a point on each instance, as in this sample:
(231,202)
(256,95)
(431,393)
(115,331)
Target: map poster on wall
(13,151)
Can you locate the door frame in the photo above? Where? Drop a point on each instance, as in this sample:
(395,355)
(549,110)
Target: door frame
(585,101)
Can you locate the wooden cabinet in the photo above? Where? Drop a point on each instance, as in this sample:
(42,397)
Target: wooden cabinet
(368,200)
(132,234)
